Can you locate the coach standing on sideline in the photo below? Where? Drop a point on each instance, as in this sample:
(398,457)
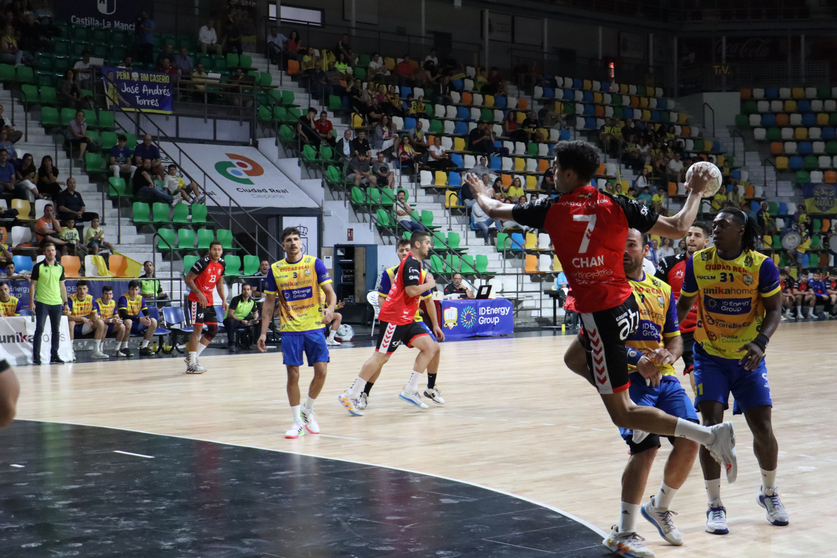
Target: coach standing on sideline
(47,298)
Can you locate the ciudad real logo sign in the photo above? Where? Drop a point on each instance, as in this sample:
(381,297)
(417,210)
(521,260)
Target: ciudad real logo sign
(239,169)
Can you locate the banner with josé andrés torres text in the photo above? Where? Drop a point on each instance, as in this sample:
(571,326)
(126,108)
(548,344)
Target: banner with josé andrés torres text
(138,90)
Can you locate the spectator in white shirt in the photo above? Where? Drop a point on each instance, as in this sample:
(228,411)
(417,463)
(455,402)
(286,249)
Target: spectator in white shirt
(275,43)
(432,57)
(438,159)
(208,38)
(675,169)
(82,68)
(377,66)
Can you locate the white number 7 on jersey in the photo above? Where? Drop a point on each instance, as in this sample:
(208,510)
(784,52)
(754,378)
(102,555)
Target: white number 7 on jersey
(591,224)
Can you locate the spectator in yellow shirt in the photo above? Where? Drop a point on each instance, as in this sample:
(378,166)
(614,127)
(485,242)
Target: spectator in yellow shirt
(516,189)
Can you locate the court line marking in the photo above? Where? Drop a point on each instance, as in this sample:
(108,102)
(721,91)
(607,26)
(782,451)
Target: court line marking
(392,468)
(134,454)
(340,437)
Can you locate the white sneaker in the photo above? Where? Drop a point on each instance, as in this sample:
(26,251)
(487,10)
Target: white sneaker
(99,354)
(362,401)
(434,395)
(350,403)
(776,512)
(195,369)
(723,449)
(309,420)
(297,430)
(661,519)
(627,544)
(413,398)
(332,342)
(716,521)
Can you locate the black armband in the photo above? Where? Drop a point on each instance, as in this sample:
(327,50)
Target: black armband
(761,340)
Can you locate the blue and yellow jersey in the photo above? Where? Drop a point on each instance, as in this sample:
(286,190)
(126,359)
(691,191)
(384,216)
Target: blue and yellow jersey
(10,308)
(388,276)
(82,308)
(106,310)
(730,292)
(657,318)
(131,307)
(297,288)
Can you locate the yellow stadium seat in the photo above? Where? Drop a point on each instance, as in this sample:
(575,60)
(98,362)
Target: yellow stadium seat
(643,102)
(798,93)
(441,178)
(488,101)
(531,241)
(357,121)
(520,116)
(625,184)
(598,98)
(790,106)
(646,114)
(531,182)
(624,89)
(519,164)
(452,200)
(800,133)
(768,240)
(720,160)
(459,144)
(822,119)
(556,264)
(587,85)
(682,118)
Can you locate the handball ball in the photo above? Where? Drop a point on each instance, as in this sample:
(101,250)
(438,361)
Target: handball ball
(715,181)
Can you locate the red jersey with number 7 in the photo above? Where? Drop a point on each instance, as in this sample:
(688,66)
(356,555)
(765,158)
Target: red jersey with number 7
(208,274)
(588,229)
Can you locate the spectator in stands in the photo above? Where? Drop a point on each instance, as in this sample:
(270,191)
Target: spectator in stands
(77,134)
(13,135)
(645,196)
(359,165)
(642,183)
(417,138)
(375,113)
(516,189)
(147,150)
(120,157)
(481,168)
(27,175)
(548,182)
(719,200)
(456,287)
(403,213)
(531,125)
(82,69)
(465,194)
(325,129)
(404,71)
(48,183)
(31,36)
(675,170)
(144,187)
(259,281)
(176,186)
(443,91)
(9,147)
(549,118)
(359,98)
(431,57)
(438,157)
(48,229)
(766,221)
(9,51)
(69,92)
(384,135)
(383,174)
(70,203)
(166,54)
(9,305)
(377,70)
(628,130)
(8,179)
(243,312)
(69,234)
(653,251)
(306,128)
(512,130)
(329,82)
(94,237)
(199,77)
(392,102)
(657,201)
(496,83)
(801,215)
(665,250)
(408,159)
(343,148)
(415,108)
(275,44)
(127,63)
(292,47)
(150,287)
(208,38)
(482,140)
(360,144)
(483,222)
(343,50)
(237,85)
(480,80)
(145,44)
(232,36)
(183,63)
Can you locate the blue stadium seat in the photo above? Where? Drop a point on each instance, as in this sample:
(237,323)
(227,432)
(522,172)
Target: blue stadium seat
(456,159)
(796,163)
(549,92)
(517,242)
(590,123)
(563,136)
(405,90)
(463,113)
(716,147)
(590,110)
(828,133)
(803,105)
(768,120)
(568,95)
(771,93)
(805,148)
(736,174)
(604,86)
(346,103)
(655,116)
(454,180)
(809,119)
(755,206)
(587,97)
(22,263)
(409,123)
(500,102)
(461,129)
(783,208)
(729,188)
(578,83)
(457,84)
(495,163)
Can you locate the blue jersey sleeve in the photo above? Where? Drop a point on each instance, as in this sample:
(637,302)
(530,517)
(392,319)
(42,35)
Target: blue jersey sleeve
(122,303)
(95,307)
(322,272)
(18,308)
(690,286)
(768,278)
(385,285)
(672,326)
(70,303)
(143,306)
(270,283)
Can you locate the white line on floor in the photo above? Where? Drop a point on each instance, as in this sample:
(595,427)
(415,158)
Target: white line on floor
(341,437)
(134,454)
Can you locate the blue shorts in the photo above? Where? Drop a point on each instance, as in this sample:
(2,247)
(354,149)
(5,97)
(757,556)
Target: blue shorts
(669,397)
(137,327)
(716,377)
(312,343)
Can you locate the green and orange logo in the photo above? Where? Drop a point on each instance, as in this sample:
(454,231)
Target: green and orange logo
(239,168)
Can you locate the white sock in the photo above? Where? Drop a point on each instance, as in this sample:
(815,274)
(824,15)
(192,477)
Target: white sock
(295,412)
(99,344)
(193,357)
(666,494)
(628,517)
(713,492)
(799,311)
(123,345)
(201,347)
(694,432)
(413,384)
(357,387)
(768,482)
(144,343)
(309,404)
(331,334)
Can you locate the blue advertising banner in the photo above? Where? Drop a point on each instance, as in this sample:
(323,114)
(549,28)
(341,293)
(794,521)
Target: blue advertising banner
(19,288)
(138,90)
(820,198)
(477,318)
(110,14)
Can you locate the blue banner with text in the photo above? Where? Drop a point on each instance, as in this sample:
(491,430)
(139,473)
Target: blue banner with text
(139,90)
(477,318)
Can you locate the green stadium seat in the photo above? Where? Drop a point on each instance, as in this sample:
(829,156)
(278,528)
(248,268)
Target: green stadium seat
(233,267)
(160,212)
(199,214)
(185,239)
(251,265)
(167,240)
(225,237)
(141,212)
(181,214)
(205,237)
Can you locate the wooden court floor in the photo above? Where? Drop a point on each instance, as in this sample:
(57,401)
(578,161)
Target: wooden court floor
(516,420)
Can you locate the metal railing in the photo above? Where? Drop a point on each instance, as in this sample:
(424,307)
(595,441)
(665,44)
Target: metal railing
(765,163)
(740,135)
(708,106)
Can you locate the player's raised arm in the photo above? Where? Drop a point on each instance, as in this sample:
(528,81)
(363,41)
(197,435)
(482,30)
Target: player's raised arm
(677,226)
(493,208)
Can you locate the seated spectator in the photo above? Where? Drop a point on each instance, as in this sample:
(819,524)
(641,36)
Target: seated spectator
(343,147)
(259,280)
(82,69)
(512,130)
(5,254)
(237,84)
(392,104)
(443,91)
(70,203)
(325,129)
(417,138)
(32,36)
(483,222)
(292,47)
(645,197)
(675,169)
(311,64)
(801,216)
(9,51)
(134,314)
(360,170)
(642,180)
(147,150)
(666,250)
(438,157)
(382,173)
(48,229)
(375,112)
(10,148)
(377,69)
(144,187)
(69,93)
(107,313)
(8,179)
(83,314)
(243,312)
(150,286)
(653,251)
(127,63)
(404,71)
(384,135)
(48,183)
(431,57)
(548,182)
(27,175)
(481,168)
(407,157)
(70,235)
(628,130)
(360,99)
(403,214)
(166,54)
(482,139)
(766,221)
(549,118)
(456,287)
(306,128)
(496,83)
(9,306)
(183,63)
(176,186)
(199,77)
(77,134)
(120,157)
(208,38)
(360,144)
(414,108)
(94,237)
(12,134)
(275,44)
(516,189)
(719,200)
(657,201)
(530,124)
(232,36)
(343,51)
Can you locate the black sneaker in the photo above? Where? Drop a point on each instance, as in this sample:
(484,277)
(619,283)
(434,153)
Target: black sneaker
(126,352)
(233,348)
(36,362)
(146,351)
(55,359)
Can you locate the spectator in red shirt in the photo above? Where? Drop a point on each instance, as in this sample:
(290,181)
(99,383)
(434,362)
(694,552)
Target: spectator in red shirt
(497,85)
(325,129)
(405,70)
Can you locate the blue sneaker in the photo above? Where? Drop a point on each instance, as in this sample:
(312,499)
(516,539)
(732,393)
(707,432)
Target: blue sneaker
(716,521)
(776,512)
(351,404)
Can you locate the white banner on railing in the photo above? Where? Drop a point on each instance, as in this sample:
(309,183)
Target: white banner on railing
(244,173)
(16,335)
